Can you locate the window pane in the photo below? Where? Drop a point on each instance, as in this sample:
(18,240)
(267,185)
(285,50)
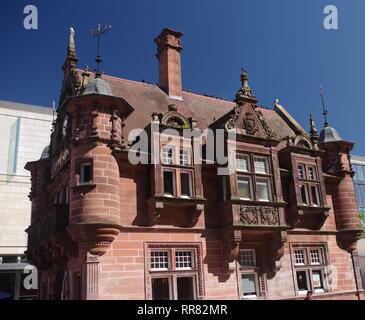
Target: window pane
(244,187)
(184,260)
(185,157)
(242,163)
(315,256)
(167,155)
(302,280)
(247,258)
(249,284)
(185,184)
(159,260)
(299,258)
(168,183)
(317,280)
(185,288)
(85,173)
(315,195)
(301,171)
(160,289)
(263,189)
(261,165)
(312,173)
(303,193)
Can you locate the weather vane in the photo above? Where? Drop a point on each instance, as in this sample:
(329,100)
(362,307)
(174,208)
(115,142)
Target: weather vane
(325,112)
(97,33)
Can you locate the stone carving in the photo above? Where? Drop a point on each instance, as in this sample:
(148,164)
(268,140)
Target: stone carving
(251,215)
(270,133)
(231,122)
(174,119)
(249,124)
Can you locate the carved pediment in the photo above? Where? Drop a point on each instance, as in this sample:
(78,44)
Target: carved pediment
(247,119)
(173,119)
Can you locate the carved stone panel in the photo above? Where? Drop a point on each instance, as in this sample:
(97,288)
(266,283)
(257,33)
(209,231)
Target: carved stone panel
(255,215)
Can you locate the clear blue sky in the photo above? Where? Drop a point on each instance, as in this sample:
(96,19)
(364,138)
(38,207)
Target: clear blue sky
(281,43)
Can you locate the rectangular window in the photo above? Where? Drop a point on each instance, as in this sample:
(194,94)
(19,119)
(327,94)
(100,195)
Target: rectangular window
(304,194)
(261,165)
(244,187)
(169,183)
(263,189)
(249,284)
(247,258)
(299,257)
(315,256)
(167,153)
(185,288)
(185,179)
(185,158)
(85,175)
(159,260)
(302,281)
(315,196)
(174,272)
(301,171)
(310,267)
(312,173)
(242,163)
(317,280)
(161,288)
(184,260)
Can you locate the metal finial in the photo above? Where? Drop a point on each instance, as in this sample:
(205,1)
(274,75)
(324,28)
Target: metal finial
(325,112)
(97,33)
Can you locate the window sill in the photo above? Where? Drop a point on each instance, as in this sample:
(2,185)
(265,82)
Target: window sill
(83,186)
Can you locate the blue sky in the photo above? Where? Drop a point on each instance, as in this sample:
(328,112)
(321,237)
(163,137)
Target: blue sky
(281,43)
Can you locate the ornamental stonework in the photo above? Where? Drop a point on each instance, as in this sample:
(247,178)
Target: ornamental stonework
(255,215)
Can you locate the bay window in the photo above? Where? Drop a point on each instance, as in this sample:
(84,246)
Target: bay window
(177,174)
(309,185)
(254,179)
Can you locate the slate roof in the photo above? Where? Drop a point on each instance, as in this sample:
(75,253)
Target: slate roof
(148,98)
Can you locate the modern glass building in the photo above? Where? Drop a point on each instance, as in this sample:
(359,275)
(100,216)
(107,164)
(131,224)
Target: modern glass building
(358,165)
(24,133)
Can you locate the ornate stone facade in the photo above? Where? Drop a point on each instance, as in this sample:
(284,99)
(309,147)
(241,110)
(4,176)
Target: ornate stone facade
(175,228)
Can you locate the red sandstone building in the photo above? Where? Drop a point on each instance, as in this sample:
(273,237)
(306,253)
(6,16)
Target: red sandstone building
(283,222)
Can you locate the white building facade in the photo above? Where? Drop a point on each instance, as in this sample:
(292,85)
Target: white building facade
(24,133)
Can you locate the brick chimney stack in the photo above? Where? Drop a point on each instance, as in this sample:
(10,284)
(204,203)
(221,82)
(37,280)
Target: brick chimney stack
(169,57)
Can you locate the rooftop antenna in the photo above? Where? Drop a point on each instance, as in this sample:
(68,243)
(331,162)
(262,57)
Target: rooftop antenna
(325,112)
(97,33)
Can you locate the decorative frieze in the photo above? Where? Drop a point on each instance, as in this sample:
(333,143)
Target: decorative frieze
(257,215)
